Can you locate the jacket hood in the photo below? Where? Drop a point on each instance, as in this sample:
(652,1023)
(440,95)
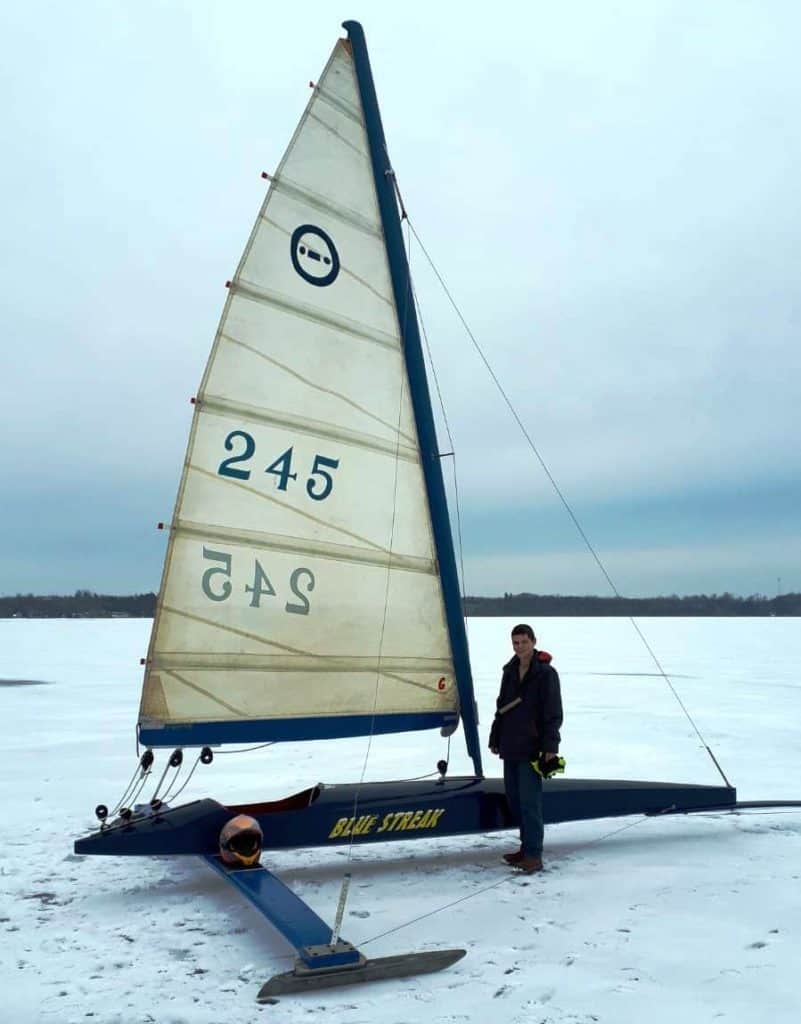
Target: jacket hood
(542,656)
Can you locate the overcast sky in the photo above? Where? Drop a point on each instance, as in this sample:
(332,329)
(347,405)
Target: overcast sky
(610,189)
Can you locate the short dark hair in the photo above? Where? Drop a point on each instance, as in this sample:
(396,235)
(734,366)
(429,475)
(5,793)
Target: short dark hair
(523,629)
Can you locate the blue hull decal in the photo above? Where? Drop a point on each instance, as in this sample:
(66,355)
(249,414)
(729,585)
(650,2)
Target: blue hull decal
(199,734)
(418,383)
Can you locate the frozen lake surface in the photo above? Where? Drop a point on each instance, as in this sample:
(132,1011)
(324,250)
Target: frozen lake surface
(635,919)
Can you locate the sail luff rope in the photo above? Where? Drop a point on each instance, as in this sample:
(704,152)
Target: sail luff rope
(563,499)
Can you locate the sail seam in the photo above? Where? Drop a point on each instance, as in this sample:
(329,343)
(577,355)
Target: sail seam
(283,647)
(334,130)
(216,404)
(237,632)
(339,104)
(306,546)
(288,508)
(318,202)
(171,660)
(199,689)
(313,313)
(317,387)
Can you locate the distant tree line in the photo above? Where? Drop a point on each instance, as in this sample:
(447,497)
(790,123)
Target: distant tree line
(521,605)
(85,604)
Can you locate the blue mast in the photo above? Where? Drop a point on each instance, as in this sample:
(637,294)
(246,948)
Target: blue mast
(421,401)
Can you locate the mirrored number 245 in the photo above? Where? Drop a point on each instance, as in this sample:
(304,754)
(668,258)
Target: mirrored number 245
(318,486)
(217,586)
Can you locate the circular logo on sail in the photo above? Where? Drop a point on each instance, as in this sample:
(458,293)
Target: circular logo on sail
(314,255)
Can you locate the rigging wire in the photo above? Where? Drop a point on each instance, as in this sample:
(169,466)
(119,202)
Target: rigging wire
(581,848)
(447,428)
(494,885)
(409,299)
(347,875)
(563,499)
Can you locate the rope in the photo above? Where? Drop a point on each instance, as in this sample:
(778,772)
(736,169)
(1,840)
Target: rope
(128,789)
(189,776)
(168,790)
(563,499)
(247,750)
(161,780)
(138,790)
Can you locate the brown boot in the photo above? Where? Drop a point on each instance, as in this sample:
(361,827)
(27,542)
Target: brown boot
(514,858)
(528,865)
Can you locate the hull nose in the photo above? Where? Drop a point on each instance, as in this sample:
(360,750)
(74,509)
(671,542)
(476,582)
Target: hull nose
(192,828)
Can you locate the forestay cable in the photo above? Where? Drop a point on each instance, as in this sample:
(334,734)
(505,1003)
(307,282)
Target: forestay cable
(562,498)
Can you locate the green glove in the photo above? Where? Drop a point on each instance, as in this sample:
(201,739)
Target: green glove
(553,766)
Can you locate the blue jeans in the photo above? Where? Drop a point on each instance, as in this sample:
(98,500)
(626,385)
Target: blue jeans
(524,793)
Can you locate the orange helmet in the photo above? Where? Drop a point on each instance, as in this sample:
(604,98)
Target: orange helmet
(240,841)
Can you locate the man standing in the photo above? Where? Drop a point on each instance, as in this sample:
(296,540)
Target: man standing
(526,727)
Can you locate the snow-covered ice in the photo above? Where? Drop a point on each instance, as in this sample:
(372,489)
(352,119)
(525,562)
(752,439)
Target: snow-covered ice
(691,918)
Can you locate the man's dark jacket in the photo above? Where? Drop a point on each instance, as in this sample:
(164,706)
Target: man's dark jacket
(532,726)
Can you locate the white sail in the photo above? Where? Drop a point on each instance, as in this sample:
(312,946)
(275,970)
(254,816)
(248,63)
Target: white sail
(301,594)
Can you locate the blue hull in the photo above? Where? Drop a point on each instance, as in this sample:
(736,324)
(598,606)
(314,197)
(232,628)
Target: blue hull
(391,811)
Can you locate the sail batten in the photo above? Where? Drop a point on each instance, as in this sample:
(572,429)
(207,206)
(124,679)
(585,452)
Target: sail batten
(338,104)
(299,663)
(281,542)
(323,205)
(316,386)
(291,513)
(364,331)
(216,405)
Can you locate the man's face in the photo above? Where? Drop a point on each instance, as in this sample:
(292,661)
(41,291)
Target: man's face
(523,645)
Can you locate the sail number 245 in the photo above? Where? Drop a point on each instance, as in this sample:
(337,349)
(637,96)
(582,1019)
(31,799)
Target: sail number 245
(318,485)
(217,586)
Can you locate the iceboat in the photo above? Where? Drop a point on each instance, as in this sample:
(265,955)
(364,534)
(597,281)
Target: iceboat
(310,588)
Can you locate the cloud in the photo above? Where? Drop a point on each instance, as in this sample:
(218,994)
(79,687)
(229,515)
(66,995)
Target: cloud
(611,199)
